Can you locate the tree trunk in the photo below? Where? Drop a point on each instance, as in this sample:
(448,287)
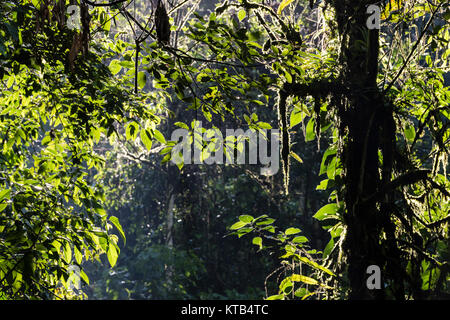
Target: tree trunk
(367,129)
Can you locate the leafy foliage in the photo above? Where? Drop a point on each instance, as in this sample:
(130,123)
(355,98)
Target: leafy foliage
(375,100)
(52,114)
(296,257)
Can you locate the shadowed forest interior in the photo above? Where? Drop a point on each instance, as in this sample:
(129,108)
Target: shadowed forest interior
(224,149)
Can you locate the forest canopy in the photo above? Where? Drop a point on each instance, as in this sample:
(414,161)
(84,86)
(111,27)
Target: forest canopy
(98,200)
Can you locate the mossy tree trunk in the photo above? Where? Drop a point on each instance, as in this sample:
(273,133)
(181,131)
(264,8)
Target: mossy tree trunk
(368,130)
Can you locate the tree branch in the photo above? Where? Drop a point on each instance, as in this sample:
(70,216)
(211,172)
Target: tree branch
(414,48)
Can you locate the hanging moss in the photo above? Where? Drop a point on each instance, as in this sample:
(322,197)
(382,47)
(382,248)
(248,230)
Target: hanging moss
(285,138)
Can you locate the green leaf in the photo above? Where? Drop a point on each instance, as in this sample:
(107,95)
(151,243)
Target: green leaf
(131,131)
(283,5)
(159,136)
(99,210)
(290,231)
(36,3)
(257,241)
(264,125)
(410,133)
(276,297)
(243,231)
(328,211)
(84,276)
(286,286)
(310,134)
(107,23)
(331,151)
(78,255)
(114,66)
(238,225)
(181,125)
(5,194)
(112,255)
(288,77)
(323,184)
(241,14)
(246,218)
(271,229)
(331,169)
(10,81)
(67,253)
(265,221)
(328,248)
(296,157)
(316,265)
(146,140)
(115,221)
(296,117)
(304,279)
(301,292)
(300,239)
(141,79)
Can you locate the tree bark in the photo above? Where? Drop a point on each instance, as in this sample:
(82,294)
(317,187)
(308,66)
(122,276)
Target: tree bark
(364,123)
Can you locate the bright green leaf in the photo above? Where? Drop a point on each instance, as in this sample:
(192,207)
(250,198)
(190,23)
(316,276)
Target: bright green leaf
(304,279)
(265,221)
(290,231)
(410,133)
(296,157)
(276,297)
(146,140)
(115,221)
(241,14)
(78,255)
(310,134)
(5,194)
(159,136)
(238,225)
(114,66)
(257,241)
(141,79)
(112,254)
(328,211)
(300,239)
(246,218)
(283,5)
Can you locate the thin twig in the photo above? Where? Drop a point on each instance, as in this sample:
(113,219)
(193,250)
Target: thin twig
(413,49)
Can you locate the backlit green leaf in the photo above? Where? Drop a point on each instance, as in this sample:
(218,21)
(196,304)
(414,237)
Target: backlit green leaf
(328,211)
(304,279)
(246,218)
(146,140)
(241,14)
(290,231)
(159,136)
(141,79)
(283,5)
(238,225)
(115,221)
(112,255)
(115,67)
(257,241)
